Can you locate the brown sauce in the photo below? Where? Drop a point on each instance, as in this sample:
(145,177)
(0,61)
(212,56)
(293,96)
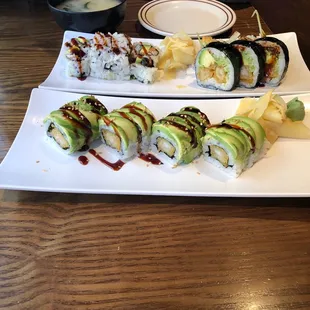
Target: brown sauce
(146,53)
(83,160)
(150,159)
(115,166)
(114,45)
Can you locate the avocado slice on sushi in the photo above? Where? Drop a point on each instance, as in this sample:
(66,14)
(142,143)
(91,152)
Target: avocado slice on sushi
(218,66)
(176,138)
(277,60)
(75,124)
(120,134)
(90,108)
(228,143)
(127,130)
(170,140)
(235,144)
(67,130)
(232,136)
(250,125)
(253,62)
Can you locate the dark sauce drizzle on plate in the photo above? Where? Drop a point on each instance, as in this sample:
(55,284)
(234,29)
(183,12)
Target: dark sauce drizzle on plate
(115,166)
(83,160)
(150,159)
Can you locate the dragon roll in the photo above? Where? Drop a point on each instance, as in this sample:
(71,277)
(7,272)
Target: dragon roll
(127,130)
(176,138)
(235,144)
(74,126)
(218,66)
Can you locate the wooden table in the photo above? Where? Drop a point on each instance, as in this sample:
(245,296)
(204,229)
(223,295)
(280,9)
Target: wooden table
(63,251)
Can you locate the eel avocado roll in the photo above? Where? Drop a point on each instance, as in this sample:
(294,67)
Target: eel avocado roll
(218,66)
(77,55)
(235,144)
(176,138)
(74,125)
(144,60)
(127,130)
(277,60)
(253,62)
(92,109)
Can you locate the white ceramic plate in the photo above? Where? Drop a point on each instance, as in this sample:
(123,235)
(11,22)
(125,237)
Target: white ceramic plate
(34,164)
(203,17)
(297,79)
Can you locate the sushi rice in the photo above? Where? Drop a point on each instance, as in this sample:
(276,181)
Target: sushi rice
(112,57)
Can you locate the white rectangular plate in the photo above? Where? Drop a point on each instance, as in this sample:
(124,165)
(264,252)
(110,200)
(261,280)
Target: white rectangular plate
(34,164)
(297,79)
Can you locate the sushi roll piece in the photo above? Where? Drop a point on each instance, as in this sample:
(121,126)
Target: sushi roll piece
(235,144)
(277,60)
(109,56)
(217,66)
(144,120)
(77,56)
(91,108)
(127,130)
(176,138)
(144,58)
(69,130)
(253,62)
(75,125)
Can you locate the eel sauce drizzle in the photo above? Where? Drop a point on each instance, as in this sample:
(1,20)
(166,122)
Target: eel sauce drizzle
(115,166)
(150,159)
(83,160)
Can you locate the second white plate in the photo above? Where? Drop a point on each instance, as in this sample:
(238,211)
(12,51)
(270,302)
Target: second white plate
(297,79)
(203,17)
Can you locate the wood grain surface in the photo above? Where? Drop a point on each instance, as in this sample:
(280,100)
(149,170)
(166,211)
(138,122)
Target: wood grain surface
(65,251)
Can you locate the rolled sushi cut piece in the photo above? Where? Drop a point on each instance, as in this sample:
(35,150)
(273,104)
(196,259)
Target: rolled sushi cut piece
(77,56)
(235,144)
(109,56)
(144,58)
(253,62)
(176,138)
(69,129)
(127,130)
(217,66)
(277,60)
(91,108)
(75,125)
